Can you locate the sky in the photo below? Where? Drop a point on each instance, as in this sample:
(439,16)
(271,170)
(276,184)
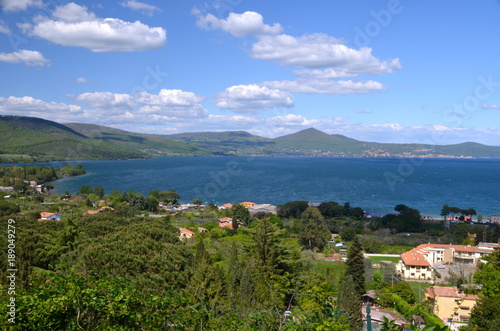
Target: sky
(397,71)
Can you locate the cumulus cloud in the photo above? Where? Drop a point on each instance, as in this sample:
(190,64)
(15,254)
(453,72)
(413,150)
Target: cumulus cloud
(29,106)
(239,25)
(252,99)
(107,100)
(321,51)
(81,80)
(30,58)
(74,25)
(145,106)
(491,106)
(18,5)
(141,6)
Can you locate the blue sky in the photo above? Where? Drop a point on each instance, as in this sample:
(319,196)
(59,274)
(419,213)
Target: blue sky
(388,71)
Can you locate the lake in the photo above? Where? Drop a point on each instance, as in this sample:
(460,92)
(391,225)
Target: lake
(374,184)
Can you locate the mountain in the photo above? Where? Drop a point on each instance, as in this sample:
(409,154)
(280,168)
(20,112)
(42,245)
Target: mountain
(27,139)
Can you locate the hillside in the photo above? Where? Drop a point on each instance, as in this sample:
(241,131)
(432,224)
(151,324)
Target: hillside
(26,139)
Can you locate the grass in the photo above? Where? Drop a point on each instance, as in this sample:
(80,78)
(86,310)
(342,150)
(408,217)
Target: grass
(377,259)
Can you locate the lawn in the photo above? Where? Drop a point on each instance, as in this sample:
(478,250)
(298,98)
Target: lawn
(377,259)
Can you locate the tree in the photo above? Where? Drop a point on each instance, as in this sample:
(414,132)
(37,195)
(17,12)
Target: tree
(99,191)
(292,209)
(349,301)
(197,202)
(356,266)
(8,208)
(151,204)
(485,315)
(169,197)
(331,209)
(348,233)
(85,189)
(20,186)
(313,231)
(240,213)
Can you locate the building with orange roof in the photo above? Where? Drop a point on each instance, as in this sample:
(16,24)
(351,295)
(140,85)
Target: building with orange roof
(247,204)
(46,216)
(450,305)
(227,222)
(226,206)
(419,262)
(185,234)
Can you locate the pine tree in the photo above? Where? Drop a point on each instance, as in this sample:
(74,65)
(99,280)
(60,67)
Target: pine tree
(350,302)
(356,266)
(313,231)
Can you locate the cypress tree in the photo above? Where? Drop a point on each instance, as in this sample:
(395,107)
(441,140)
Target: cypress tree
(356,266)
(349,302)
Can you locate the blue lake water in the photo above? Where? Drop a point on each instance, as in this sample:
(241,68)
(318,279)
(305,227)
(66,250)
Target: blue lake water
(375,184)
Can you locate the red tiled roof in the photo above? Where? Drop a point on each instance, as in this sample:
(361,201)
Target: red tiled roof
(186,231)
(442,292)
(414,258)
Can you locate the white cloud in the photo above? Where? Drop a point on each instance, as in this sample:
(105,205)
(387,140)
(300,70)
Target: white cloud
(172,103)
(18,5)
(491,107)
(107,100)
(30,58)
(321,51)
(312,86)
(81,80)
(365,111)
(145,107)
(239,25)
(29,106)
(4,28)
(141,6)
(73,25)
(252,99)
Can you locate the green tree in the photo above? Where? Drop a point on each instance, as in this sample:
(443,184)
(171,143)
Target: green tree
(85,189)
(313,231)
(197,202)
(348,233)
(485,316)
(292,209)
(169,197)
(8,208)
(99,191)
(349,301)
(240,213)
(356,266)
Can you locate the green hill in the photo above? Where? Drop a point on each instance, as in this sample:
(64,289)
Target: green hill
(27,139)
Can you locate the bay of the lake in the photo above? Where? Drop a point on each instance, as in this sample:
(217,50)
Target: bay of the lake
(375,184)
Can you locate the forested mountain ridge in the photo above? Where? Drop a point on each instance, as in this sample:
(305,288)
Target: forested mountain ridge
(27,139)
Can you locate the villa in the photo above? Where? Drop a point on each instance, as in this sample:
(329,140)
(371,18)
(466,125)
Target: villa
(420,261)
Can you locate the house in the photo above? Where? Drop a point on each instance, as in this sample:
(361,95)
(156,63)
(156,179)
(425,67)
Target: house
(247,204)
(227,222)
(226,206)
(413,265)
(419,262)
(202,230)
(46,216)
(449,304)
(185,234)
(495,219)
